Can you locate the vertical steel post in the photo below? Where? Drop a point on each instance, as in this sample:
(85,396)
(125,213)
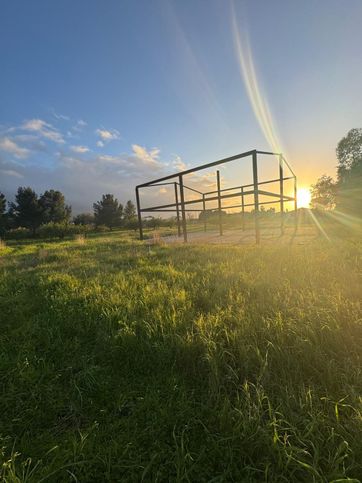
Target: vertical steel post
(183,214)
(204,208)
(281,186)
(242,209)
(219,201)
(139,213)
(177,211)
(256,197)
(295,202)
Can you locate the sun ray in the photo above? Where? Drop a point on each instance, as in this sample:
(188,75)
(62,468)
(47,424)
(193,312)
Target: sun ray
(303,197)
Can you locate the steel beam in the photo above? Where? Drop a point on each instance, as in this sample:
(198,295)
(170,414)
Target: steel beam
(139,213)
(202,166)
(183,214)
(177,211)
(242,209)
(256,197)
(219,201)
(281,189)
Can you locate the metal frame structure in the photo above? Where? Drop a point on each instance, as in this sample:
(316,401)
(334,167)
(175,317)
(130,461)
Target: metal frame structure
(182,206)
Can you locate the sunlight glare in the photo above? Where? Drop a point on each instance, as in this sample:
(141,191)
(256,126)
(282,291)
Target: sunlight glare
(248,73)
(303,198)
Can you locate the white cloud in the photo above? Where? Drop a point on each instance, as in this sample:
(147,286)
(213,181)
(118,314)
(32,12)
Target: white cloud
(82,181)
(141,153)
(11,172)
(179,164)
(100,144)
(108,134)
(10,146)
(44,129)
(60,117)
(80,124)
(79,149)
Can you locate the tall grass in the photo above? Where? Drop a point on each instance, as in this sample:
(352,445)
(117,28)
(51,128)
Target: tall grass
(125,362)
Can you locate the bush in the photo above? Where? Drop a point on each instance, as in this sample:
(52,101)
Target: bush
(102,228)
(61,230)
(18,233)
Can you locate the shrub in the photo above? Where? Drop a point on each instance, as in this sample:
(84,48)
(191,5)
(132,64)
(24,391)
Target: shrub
(18,233)
(61,230)
(102,228)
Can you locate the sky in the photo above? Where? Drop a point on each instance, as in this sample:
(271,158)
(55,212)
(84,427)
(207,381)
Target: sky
(98,96)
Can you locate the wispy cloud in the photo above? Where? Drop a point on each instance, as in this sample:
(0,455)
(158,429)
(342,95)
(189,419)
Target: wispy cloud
(107,135)
(79,126)
(80,149)
(44,129)
(10,146)
(60,117)
(11,172)
(149,157)
(179,164)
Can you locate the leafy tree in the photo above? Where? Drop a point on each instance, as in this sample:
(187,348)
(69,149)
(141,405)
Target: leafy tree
(84,219)
(26,211)
(108,211)
(2,204)
(53,207)
(2,213)
(323,193)
(349,171)
(129,211)
(153,222)
(349,154)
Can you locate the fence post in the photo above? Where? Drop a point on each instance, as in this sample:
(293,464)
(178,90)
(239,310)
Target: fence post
(295,203)
(281,186)
(204,208)
(139,213)
(256,197)
(219,201)
(183,214)
(242,209)
(177,211)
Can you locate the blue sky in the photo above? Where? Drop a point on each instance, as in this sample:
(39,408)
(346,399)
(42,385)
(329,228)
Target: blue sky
(97,96)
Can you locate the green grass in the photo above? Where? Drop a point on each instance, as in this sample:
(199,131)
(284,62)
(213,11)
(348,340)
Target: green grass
(123,362)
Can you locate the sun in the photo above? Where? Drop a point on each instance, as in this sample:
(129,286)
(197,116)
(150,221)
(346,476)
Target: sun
(303,198)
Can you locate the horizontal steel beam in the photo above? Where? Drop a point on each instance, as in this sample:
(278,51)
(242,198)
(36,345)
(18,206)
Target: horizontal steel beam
(276,195)
(215,198)
(156,210)
(173,183)
(198,168)
(248,185)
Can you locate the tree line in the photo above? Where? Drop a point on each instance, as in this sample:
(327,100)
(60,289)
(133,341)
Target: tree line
(30,211)
(345,192)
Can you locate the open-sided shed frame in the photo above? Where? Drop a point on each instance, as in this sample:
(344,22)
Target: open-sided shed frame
(181,206)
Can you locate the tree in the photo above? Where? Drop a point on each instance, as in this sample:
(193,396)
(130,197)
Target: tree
(323,193)
(26,211)
(108,211)
(53,207)
(129,211)
(2,213)
(84,219)
(349,154)
(349,171)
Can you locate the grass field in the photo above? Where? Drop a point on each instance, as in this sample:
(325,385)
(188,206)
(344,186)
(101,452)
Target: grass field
(126,362)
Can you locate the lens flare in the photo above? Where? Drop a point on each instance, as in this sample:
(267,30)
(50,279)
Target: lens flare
(303,197)
(248,74)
